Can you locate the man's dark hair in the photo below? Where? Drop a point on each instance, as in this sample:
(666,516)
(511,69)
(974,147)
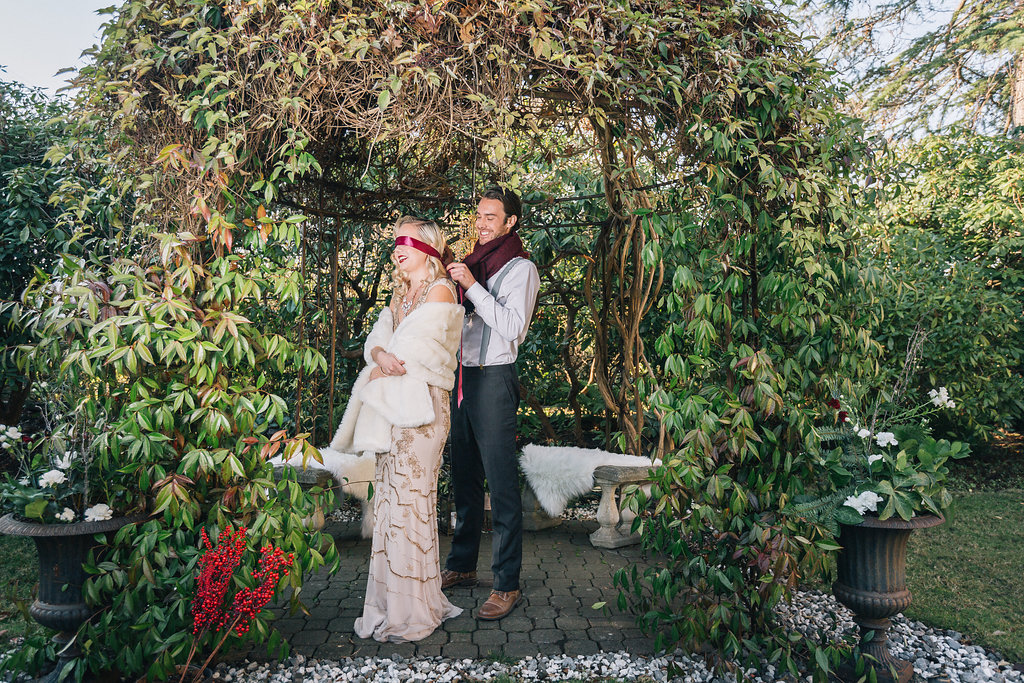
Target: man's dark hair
(510,202)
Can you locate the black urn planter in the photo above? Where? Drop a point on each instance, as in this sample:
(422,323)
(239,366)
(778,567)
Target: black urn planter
(62,548)
(872,582)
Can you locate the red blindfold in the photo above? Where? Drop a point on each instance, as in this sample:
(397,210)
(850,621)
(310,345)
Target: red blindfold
(418,245)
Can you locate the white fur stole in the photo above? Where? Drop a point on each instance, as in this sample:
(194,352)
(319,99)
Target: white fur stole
(427,340)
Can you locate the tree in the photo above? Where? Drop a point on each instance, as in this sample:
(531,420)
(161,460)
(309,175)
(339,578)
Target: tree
(966,67)
(946,237)
(30,123)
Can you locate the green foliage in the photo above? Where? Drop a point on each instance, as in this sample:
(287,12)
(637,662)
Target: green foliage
(906,477)
(946,241)
(29,124)
(29,238)
(173,375)
(50,484)
(758,322)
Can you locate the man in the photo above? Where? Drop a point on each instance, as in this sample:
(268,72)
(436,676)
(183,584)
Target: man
(501,285)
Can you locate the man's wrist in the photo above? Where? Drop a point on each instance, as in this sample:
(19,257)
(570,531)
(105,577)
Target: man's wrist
(474,292)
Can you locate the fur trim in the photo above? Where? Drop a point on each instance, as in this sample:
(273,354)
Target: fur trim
(427,341)
(558,474)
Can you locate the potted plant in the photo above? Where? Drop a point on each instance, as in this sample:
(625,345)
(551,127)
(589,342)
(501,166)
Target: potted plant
(50,500)
(885,477)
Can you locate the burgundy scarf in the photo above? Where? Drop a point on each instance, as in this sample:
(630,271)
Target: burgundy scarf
(486,260)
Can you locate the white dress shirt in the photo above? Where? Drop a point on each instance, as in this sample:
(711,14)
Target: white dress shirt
(508,315)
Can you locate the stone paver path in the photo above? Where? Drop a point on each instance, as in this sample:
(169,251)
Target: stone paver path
(563,576)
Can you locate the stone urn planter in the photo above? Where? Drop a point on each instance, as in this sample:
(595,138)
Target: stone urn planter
(62,548)
(872,582)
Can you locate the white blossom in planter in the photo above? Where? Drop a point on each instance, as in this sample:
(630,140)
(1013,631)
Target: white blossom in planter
(98,513)
(52,478)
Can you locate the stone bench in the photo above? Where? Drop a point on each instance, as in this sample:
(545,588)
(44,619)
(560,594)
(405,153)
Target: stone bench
(615,524)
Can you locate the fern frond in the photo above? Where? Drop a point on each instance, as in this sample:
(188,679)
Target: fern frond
(822,510)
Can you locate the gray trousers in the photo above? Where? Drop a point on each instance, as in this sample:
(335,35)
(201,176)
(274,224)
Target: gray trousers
(484,445)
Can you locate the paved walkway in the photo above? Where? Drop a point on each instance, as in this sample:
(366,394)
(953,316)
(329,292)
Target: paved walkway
(563,576)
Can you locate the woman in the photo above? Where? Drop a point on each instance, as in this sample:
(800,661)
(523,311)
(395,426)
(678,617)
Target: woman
(400,410)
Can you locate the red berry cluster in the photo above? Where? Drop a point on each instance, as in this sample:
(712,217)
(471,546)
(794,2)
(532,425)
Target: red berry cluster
(249,602)
(217,567)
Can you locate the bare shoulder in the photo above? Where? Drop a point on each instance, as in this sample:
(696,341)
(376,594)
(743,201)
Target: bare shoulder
(442,291)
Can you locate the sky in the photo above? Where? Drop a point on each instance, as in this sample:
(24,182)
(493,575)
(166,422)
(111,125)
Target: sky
(40,37)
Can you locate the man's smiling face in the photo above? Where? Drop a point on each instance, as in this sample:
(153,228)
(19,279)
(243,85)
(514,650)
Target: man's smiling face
(491,221)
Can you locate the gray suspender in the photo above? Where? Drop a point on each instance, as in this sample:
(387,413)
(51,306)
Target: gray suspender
(485,337)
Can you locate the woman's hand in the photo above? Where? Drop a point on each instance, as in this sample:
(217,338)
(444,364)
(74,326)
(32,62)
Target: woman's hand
(388,365)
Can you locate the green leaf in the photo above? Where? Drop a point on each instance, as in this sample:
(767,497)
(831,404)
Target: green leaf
(36,508)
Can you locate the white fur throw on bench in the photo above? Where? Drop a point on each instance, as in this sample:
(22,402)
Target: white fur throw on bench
(557,474)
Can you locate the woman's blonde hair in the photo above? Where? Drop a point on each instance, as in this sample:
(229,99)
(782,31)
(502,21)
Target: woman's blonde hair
(429,232)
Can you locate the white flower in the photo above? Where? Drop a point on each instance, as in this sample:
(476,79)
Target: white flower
(864,433)
(846,418)
(52,478)
(68,515)
(5,444)
(950,404)
(886,439)
(874,457)
(940,397)
(65,461)
(98,513)
(25,481)
(867,501)
(13,433)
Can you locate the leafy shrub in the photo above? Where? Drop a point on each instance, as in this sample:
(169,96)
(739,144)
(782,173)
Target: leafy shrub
(946,239)
(758,322)
(174,377)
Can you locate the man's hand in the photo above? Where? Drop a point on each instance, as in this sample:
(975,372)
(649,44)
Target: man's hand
(460,273)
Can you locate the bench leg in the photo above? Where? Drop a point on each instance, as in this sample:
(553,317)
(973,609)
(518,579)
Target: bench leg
(316,521)
(611,534)
(535,517)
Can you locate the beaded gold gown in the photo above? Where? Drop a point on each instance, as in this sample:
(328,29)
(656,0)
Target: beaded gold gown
(403,600)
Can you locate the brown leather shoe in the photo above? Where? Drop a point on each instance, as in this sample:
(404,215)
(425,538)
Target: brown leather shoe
(499,605)
(450,578)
